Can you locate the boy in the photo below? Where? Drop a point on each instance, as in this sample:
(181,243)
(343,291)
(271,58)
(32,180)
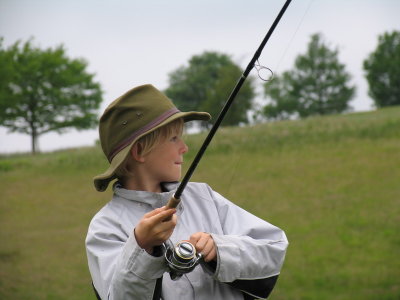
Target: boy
(140,134)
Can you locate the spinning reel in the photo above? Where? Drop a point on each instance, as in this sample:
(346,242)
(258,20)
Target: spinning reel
(181,258)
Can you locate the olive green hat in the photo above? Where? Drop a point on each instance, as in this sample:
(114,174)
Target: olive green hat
(136,113)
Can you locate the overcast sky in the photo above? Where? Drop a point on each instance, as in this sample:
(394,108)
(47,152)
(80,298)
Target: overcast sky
(129,43)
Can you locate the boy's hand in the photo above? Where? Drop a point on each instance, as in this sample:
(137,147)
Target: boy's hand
(204,243)
(152,230)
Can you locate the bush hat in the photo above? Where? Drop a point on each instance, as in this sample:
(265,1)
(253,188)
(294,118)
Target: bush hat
(136,113)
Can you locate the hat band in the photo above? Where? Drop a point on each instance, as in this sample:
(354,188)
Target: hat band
(142,130)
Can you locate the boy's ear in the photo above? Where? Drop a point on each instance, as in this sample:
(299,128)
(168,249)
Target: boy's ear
(136,151)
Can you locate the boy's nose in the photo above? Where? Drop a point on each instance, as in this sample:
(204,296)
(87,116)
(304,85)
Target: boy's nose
(184,148)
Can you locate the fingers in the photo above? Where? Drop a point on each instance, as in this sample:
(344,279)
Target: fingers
(159,215)
(157,211)
(209,251)
(152,230)
(204,244)
(165,216)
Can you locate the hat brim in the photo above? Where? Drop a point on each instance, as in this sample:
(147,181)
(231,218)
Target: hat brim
(102,181)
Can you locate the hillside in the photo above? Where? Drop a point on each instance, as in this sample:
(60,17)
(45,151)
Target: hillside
(332,183)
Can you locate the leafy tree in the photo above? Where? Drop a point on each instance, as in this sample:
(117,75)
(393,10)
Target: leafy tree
(383,70)
(318,85)
(205,84)
(44,90)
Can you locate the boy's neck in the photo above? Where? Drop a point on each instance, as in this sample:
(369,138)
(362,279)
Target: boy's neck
(136,185)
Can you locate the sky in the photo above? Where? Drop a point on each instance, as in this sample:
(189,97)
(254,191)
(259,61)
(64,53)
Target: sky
(128,43)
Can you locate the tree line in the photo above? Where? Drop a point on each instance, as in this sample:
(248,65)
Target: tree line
(44,90)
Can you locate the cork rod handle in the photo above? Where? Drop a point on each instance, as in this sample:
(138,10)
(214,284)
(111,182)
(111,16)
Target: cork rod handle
(172,203)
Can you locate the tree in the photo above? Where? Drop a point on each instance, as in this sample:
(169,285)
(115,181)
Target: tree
(318,85)
(205,84)
(382,69)
(44,90)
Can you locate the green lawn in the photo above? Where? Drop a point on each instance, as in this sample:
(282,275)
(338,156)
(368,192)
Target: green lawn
(332,183)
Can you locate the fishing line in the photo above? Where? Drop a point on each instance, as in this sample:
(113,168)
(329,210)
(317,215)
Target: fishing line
(267,75)
(293,36)
(175,199)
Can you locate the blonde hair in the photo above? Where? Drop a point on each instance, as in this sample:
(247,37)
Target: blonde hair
(148,142)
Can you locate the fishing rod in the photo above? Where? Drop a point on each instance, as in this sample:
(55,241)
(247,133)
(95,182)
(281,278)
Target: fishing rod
(174,201)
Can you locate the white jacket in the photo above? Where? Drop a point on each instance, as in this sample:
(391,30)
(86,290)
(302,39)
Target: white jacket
(248,248)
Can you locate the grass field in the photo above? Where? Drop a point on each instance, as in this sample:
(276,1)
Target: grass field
(332,183)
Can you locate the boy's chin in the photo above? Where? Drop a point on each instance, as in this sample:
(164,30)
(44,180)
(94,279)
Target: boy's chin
(172,178)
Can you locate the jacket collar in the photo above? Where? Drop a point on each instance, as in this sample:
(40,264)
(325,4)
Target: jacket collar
(155,200)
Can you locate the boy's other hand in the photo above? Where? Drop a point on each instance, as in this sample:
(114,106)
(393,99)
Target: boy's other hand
(152,229)
(204,243)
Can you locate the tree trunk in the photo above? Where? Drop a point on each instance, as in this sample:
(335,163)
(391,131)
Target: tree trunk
(34,138)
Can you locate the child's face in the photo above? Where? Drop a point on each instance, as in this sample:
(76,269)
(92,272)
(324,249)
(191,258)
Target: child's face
(164,162)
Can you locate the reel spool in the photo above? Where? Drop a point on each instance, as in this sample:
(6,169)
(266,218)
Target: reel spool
(181,258)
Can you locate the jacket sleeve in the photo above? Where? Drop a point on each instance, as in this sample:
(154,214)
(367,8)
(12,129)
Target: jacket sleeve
(250,252)
(120,269)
